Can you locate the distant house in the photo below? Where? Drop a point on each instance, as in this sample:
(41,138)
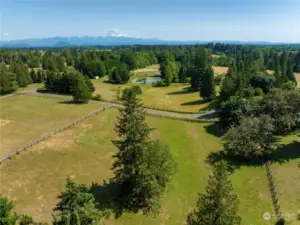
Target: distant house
(96,77)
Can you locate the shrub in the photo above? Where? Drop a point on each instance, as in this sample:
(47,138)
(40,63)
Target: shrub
(259,92)
(97,97)
(253,138)
(137,89)
(159,83)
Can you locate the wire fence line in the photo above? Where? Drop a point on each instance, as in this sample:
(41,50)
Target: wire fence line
(28,145)
(273,191)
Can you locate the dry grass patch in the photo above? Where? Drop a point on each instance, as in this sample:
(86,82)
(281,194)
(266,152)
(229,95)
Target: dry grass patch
(34,117)
(220,69)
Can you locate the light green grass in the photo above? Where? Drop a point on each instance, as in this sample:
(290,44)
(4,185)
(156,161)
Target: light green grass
(174,97)
(30,117)
(85,153)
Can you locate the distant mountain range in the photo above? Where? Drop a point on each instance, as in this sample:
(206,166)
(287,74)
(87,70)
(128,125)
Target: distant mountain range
(108,41)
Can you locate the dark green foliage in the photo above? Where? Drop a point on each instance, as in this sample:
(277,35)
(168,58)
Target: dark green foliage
(253,138)
(76,206)
(233,110)
(200,68)
(27,220)
(90,84)
(137,89)
(284,108)
(183,74)
(33,76)
(208,89)
(80,90)
(8,83)
(120,74)
(229,86)
(168,75)
(297,62)
(143,168)
(149,181)
(219,205)
(218,80)
(290,75)
(290,85)
(259,92)
(263,81)
(7,217)
(40,76)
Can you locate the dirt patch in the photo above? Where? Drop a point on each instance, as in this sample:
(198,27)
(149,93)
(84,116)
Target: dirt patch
(5,122)
(61,141)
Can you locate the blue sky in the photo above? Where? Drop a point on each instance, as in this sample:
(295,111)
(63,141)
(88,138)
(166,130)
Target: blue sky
(203,20)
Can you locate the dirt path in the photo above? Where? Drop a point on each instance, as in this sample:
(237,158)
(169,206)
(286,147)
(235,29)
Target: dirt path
(154,112)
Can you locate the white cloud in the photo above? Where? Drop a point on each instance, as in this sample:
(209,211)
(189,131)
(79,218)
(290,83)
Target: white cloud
(116,33)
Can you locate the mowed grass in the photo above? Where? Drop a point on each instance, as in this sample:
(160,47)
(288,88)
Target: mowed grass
(287,179)
(26,118)
(85,152)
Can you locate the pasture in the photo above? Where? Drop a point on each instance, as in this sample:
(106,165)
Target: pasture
(176,97)
(26,118)
(85,152)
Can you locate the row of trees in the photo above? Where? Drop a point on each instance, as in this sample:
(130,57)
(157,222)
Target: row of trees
(18,75)
(73,83)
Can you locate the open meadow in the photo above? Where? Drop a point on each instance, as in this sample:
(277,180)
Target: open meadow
(85,152)
(176,97)
(26,118)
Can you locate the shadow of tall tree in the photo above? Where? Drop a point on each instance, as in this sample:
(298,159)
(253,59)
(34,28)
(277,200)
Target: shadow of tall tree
(282,154)
(107,196)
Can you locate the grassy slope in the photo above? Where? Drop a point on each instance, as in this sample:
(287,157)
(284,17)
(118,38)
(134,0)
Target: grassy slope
(85,151)
(30,120)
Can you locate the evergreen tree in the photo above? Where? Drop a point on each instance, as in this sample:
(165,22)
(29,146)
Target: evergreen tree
(297,63)
(208,90)
(168,75)
(40,77)
(76,207)
(219,205)
(290,74)
(182,74)
(33,76)
(80,90)
(7,217)
(142,167)
(229,88)
(8,82)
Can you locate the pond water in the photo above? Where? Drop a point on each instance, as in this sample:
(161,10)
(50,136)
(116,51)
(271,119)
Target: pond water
(148,80)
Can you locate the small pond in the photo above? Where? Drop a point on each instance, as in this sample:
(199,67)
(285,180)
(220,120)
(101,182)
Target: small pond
(148,80)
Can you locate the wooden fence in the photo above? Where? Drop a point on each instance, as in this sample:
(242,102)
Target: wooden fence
(9,156)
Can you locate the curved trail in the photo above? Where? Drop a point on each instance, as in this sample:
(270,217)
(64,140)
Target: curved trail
(154,112)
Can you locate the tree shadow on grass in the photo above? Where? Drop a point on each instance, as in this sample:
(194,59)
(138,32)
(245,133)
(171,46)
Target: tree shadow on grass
(282,154)
(197,102)
(107,196)
(183,91)
(214,129)
(285,153)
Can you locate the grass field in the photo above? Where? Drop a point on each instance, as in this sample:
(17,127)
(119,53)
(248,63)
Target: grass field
(84,153)
(175,97)
(26,118)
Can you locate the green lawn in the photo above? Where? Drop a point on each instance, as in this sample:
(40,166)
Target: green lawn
(84,153)
(287,178)
(175,97)
(26,118)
